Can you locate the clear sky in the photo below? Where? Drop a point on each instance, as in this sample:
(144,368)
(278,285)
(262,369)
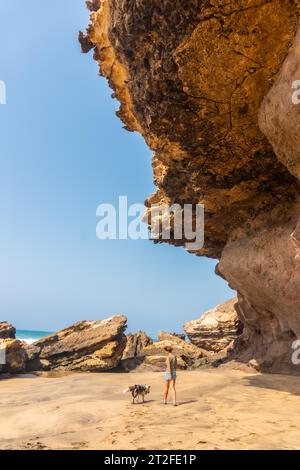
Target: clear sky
(63,152)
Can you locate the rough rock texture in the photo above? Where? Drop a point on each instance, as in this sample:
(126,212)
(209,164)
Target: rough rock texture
(216,328)
(269,300)
(192,76)
(280,112)
(142,353)
(84,346)
(135,343)
(132,355)
(187,354)
(15,356)
(7,330)
(179,335)
(15,350)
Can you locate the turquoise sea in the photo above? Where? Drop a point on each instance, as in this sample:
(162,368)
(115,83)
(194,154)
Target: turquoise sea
(30,336)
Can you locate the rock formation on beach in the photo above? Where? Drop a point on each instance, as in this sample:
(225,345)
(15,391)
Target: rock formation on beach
(179,335)
(188,354)
(84,346)
(98,346)
(209,86)
(135,343)
(151,355)
(14,354)
(7,330)
(132,355)
(216,328)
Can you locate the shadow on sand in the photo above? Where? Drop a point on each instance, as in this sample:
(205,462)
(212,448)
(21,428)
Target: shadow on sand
(281,383)
(142,403)
(187,402)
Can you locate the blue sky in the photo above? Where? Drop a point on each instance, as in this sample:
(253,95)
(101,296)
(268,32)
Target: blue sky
(63,152)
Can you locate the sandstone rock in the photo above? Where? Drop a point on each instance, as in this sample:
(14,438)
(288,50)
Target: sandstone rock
(157,363)
(13,351)
(187,350)
(187,354)
(135,343)
(193,91)
(132,355)
(84,346)
(7,330)
(269,300)
(279,113)
(15,356)
(216,328)
(93,5)
(179,335)
(152,355)
(192,77)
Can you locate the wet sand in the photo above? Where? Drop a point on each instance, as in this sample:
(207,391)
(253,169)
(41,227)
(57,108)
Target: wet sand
(218,409)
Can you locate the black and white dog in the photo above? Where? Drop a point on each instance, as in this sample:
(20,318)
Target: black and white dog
(137,391)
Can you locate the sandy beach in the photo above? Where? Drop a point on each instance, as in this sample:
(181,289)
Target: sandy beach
(218,409)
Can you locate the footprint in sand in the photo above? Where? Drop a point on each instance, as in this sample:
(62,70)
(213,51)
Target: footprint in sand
(138,439)
(113,436)
(78,445)
(35,445)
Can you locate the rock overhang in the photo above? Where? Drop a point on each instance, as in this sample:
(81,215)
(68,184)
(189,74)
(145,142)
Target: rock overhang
(190,77)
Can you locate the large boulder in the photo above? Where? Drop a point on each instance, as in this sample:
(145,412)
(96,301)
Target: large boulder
(84,346)
(216,328)
(13,356)
(132,355)
(135,344)
(7,330)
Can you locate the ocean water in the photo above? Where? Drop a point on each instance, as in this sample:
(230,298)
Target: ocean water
(30,336)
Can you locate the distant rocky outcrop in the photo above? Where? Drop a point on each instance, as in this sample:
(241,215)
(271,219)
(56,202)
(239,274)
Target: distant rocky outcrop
(7,330)
(98,346)
(132,355)
(153,356)
(84,346)
(143,353)
(216,328)
(135,344)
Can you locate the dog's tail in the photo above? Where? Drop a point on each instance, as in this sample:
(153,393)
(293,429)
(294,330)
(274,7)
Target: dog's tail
(126,390)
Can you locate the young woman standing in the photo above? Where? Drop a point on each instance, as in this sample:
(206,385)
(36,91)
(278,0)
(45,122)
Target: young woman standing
(170,375)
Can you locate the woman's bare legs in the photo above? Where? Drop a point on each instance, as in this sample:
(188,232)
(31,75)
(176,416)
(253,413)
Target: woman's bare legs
(174,392)
(166,390)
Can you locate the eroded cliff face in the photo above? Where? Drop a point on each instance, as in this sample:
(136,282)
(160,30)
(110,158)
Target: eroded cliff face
(192,76)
